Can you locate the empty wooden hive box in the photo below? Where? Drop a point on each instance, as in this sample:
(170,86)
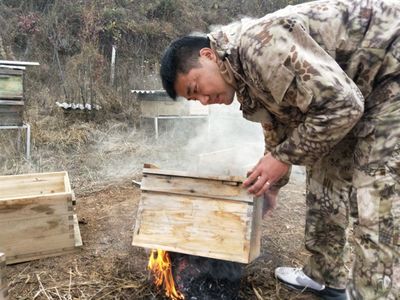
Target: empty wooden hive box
(155,103)
(37,216)
(3,283)
(199,215)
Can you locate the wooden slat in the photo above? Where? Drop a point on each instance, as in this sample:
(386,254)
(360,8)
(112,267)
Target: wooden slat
(19,63)
(32,189)
(67,184)
(2,270)
(11,85)
(234,179)
(36,184)
(193,225)
(13,119)
(8,71)
(30,175)
(202,187)
(35,207)
(41,254)
(11,102)
(48,233)
(77,233)
(50,253)
(256,226)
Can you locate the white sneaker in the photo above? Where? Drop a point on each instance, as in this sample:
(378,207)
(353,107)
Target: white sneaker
(295,278)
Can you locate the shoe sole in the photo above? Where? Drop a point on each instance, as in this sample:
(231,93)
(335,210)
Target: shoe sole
(310,290)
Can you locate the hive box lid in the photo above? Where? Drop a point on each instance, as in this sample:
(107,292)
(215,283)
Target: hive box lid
(210,216)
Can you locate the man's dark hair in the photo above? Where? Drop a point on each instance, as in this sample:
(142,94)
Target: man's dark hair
(179,58)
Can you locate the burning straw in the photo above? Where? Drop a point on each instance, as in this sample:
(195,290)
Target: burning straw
(184,276)
(160,265)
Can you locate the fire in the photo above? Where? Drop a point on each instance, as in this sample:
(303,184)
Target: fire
(160,265)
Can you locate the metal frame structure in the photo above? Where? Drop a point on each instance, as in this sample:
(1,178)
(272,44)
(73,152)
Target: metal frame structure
(27,128)
(19,65)
(156,118)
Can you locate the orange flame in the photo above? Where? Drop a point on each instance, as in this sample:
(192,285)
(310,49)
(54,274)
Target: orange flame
(160,265)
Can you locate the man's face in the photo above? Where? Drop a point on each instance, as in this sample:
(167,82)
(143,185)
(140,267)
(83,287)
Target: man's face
(205,83)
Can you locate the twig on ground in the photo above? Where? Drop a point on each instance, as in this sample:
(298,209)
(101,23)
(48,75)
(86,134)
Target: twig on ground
(70,281)
(57,292)
(259,297)
(41,289)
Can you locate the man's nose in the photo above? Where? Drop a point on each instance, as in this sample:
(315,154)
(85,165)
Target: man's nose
(203,99)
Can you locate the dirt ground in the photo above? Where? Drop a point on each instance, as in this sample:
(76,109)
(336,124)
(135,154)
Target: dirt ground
(108,267)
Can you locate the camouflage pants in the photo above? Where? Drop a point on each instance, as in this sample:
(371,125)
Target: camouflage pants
(361,178)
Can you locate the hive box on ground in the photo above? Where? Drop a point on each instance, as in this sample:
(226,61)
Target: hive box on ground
(37,216)
(210,216)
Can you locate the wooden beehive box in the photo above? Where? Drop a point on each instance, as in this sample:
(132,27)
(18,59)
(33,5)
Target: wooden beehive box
(3,283)
(11,83)
(11,113)
(158,103)
(11,96)
(37,216)
(205,216)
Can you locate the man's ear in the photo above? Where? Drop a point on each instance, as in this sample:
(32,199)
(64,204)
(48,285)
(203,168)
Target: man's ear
(208,53)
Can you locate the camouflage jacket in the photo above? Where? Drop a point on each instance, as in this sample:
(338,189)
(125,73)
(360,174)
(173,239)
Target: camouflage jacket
(303,72)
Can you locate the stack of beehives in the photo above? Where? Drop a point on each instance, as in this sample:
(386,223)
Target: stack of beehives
(37,216)
(3,285)
(11,95)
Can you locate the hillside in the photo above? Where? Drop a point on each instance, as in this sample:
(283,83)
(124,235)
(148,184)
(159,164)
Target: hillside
(104,150)
(72,41)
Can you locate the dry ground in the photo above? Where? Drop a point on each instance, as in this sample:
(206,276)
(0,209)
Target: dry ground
(108,267)
(102,159)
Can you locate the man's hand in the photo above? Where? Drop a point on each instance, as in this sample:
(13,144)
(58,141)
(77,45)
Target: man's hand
(267,171)
(269,202)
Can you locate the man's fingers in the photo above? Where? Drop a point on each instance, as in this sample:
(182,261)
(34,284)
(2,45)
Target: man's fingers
(264,188)
(251,179)
(252,169)
(258,185)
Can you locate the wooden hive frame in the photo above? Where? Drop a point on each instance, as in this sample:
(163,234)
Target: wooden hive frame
(37,216)
(199,215)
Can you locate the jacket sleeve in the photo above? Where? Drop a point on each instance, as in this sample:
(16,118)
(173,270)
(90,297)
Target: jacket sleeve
(286,57)
(272,137)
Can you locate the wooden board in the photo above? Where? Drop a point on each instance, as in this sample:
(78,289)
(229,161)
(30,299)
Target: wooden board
(164,108)
(205,216)
(76,246)
(3,282)
(177,183)
(33,185)
(2,270)
(11,84)
(11,113)
(235,180)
